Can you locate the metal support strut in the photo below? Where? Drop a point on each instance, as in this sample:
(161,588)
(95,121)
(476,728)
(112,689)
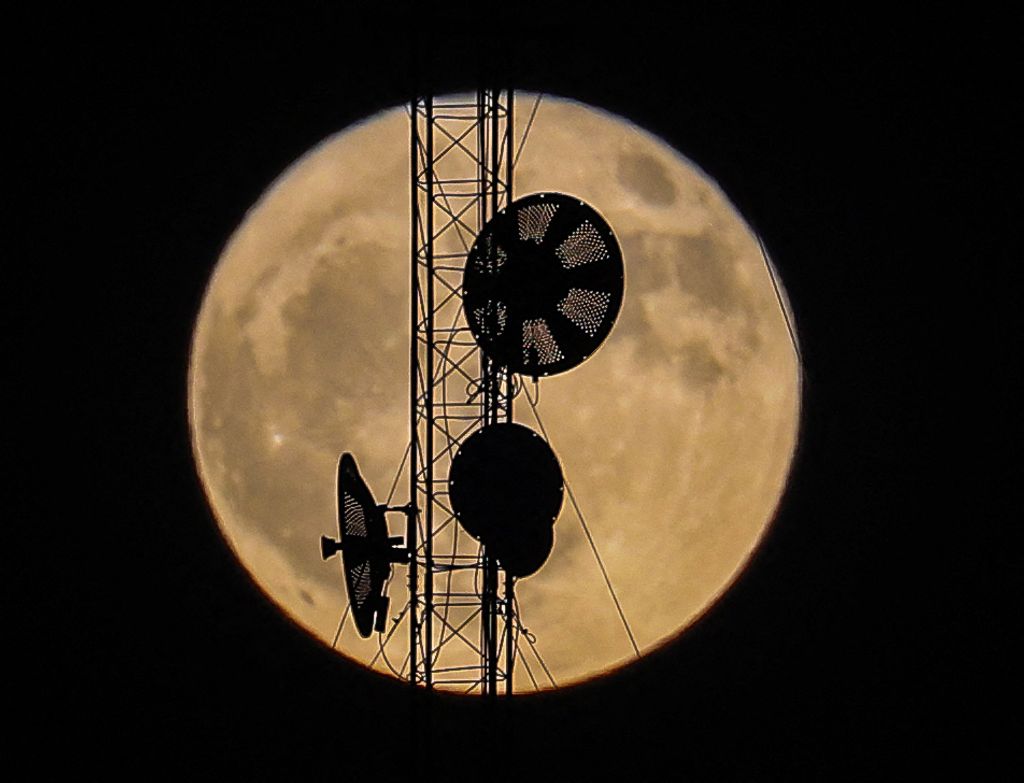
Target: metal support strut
(461,176)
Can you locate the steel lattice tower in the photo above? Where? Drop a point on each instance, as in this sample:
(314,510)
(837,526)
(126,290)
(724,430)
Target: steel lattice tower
(463,624)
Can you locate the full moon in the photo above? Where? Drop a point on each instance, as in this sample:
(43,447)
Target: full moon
(675,438)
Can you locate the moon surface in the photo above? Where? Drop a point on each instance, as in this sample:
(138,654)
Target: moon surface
(676,437)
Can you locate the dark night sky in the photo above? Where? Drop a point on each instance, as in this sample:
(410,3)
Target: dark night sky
(862,640)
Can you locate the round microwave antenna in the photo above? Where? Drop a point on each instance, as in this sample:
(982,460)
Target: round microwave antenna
(506,490)
(367,551)
(543,284)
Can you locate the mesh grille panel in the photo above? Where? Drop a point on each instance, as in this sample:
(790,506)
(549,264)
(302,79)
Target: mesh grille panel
(585,308)
(534,221)
(491,318)
(355,519)
(492,259)
(542,284)
(361,582)
(537,337)
(582,246)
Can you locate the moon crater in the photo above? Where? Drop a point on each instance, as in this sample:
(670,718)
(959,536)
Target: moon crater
(646,177)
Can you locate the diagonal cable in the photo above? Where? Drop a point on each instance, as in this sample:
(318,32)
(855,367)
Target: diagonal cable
(778,296)
(394,627)
(590,538)
(341,624)
(526,133)
(529,671)
(398,474)
(523,631)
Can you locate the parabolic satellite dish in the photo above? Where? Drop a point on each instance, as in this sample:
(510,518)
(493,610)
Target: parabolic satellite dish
(367,551)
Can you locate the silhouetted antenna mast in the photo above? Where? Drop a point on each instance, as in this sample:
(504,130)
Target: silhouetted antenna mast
(500,290)
(462,154)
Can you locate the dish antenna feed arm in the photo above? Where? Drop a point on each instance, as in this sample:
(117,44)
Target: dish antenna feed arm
(394,552)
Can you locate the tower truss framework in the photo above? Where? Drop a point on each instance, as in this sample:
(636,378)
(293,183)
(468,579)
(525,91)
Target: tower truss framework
(463,626)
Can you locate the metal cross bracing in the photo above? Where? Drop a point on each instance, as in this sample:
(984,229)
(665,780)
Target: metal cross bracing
(462,622)
(462,614)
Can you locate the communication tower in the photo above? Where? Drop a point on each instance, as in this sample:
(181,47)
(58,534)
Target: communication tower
(502,290)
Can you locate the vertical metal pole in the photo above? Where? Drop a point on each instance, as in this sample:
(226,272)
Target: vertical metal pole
(428,592)
(485,397)
(493,390)
(509,156)
(510,153)
(510,653)
(494,151)
(414,287)
(510,136)
(481,146)
(491,576)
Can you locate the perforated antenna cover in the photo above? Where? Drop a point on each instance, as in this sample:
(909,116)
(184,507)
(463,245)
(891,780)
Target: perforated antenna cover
(543,284)
(364,545)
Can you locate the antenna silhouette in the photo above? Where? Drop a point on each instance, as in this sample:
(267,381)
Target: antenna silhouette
(500,289)
(367,551)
